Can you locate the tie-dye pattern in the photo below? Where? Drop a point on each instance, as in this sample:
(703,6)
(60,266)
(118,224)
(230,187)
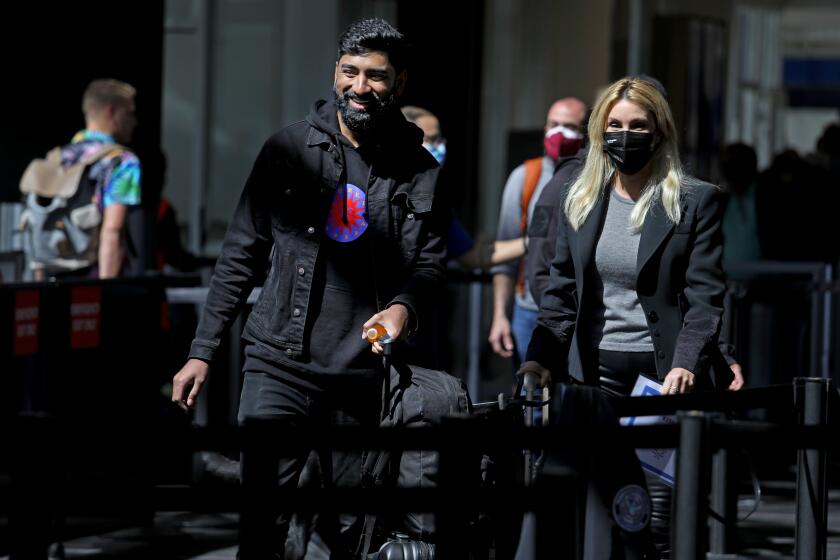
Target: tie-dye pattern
(117,175)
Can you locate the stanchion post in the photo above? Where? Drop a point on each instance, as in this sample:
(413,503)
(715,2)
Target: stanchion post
(474,340)
(455,464)
(36,474)
(725,503)
(688,536)
(811,396)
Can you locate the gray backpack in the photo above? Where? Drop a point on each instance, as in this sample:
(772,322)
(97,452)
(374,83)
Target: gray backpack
(60,221)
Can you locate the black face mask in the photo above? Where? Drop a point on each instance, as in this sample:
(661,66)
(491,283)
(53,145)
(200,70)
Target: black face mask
(629,151)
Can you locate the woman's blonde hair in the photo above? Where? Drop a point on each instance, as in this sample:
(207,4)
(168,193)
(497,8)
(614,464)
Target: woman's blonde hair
(667,173)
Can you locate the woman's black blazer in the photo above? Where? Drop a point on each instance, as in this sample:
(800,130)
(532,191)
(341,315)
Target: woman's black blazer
(680,284)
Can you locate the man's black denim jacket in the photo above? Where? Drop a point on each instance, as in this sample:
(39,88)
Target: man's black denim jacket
(280,219)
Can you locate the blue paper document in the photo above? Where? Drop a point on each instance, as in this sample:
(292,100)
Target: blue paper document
(658,461)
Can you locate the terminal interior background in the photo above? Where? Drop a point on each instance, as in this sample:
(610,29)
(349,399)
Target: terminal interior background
(215,78)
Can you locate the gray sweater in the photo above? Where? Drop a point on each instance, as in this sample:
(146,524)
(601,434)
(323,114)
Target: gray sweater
(619,323)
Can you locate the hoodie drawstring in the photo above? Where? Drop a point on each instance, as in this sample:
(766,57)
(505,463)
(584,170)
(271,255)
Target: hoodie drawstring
(342,178)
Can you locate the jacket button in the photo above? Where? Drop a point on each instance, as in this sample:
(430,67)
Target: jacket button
(288,351)
(653,316)
(410,216)
(656,332)
(296,312)
(301,271)
(661,355)
(310,230)
(288,192)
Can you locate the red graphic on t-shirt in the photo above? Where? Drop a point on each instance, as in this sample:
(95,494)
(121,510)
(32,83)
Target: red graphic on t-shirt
(355,225)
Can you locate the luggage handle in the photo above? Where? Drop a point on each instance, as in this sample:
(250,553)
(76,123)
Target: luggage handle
(530,387)
(378,333)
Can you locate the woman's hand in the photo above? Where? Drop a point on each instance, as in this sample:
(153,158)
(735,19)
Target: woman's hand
(541,375)
(678,380)
(737,377)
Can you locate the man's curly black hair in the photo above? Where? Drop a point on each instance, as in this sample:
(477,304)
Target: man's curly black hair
(374,34)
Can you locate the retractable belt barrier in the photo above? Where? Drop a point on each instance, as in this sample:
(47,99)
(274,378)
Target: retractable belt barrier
(453,435)
(697,435)
(88,325)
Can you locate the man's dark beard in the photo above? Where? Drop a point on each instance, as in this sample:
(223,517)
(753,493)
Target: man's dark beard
(363,122)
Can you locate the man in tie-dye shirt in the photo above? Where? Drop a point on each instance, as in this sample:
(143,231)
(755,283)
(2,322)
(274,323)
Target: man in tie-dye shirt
(109,108)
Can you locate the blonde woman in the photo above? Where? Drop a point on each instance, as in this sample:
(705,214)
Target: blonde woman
(636,285)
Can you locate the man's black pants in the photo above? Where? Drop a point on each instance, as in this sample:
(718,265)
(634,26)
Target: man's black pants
(290,400)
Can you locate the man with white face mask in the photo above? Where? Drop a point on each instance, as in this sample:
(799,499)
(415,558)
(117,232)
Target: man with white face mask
(512,324)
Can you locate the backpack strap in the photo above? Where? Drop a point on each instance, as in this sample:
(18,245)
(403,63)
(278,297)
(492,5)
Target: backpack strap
(533,171)
(101,152)
(49,178)
(375,464)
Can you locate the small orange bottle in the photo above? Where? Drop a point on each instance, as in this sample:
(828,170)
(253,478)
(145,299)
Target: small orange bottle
(376,332)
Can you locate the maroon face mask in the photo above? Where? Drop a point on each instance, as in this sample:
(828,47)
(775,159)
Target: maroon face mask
(562,141)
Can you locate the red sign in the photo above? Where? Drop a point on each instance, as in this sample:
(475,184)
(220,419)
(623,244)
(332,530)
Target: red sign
(85,313)
(26,322)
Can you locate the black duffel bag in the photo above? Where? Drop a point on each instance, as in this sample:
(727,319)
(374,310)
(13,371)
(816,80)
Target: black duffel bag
(413,397)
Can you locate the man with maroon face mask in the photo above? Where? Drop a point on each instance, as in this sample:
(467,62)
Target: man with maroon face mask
(563,137)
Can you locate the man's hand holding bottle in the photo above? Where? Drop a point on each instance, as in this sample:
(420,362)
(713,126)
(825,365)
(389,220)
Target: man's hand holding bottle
(394,321)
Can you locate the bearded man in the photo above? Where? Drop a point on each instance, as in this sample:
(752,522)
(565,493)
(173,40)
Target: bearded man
(344,206)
